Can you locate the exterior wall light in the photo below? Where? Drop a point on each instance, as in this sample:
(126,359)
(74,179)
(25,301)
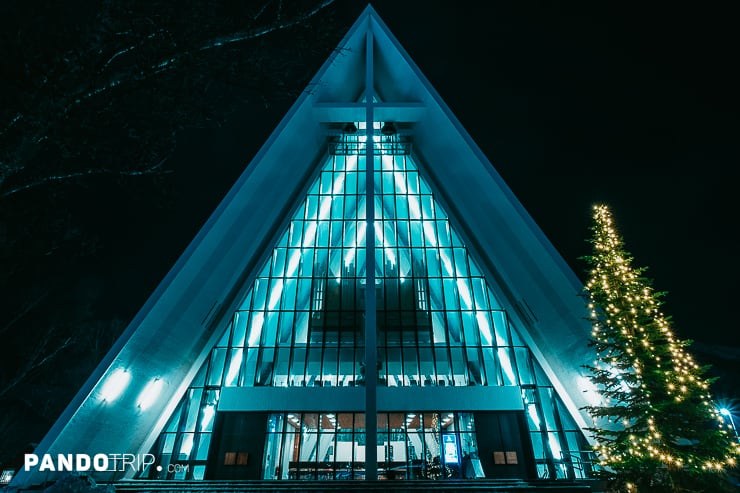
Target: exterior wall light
(149,394)
(115,385)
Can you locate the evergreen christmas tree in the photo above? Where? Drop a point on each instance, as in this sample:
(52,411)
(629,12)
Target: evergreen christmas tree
(656,427)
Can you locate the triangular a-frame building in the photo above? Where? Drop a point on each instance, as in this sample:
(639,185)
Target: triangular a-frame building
(264,355)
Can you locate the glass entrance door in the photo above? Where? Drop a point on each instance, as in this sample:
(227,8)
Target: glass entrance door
(423,445)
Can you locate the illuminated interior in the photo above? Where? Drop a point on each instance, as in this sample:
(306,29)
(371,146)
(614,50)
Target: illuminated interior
(426,445)
(301,324)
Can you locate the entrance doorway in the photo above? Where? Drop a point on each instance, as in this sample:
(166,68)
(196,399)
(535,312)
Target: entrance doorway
(423,445)
(505,447)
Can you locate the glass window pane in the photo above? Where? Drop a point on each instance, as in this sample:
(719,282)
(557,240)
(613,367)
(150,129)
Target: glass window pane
(306,265)
(507,366)
(301,327)
(260,293)
(337,209)
(204,442)
(432,261)
(493,375)
(443,232)
(439,328)
(395,370)
(278,262)
(265,367)
(215,370)
(461,266)
(269,334)
(453,327)
(234,366)
(168,443)
(475,365)
(296,233)
(402,207)
(523,364)
(281,367)
(329,368)
(410,366)
(444,373)
(387,182)
(548,407)
(485,328)
(427,207)
(499,324)
(539,450)
(250,367)
(426,366)
(286,328)
(456,242)
(553,441)
(417,235)
(256,321)
(412,180)
(479,293)
(470,329)
(451,300)
(459,367)
(239,328)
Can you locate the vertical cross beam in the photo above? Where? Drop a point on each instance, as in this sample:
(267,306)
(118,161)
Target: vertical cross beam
(371,373)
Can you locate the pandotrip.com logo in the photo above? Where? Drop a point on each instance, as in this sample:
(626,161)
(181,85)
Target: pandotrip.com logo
(87,463)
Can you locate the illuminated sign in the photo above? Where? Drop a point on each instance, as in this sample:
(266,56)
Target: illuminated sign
(450,447)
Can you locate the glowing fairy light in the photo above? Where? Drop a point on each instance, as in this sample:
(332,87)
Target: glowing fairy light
(647,379)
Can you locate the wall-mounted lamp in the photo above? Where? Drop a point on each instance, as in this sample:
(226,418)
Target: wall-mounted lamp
(115,385)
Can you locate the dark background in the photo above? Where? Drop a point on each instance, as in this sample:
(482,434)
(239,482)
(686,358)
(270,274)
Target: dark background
(573,102)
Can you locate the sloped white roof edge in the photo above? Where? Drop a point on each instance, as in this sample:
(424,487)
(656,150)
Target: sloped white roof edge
(172,334)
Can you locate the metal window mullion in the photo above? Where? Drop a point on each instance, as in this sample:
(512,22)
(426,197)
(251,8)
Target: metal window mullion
(371,374)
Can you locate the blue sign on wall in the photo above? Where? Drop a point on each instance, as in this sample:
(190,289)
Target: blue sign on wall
(450,447)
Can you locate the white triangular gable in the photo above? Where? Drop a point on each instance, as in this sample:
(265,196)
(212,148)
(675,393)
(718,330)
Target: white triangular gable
(165,345)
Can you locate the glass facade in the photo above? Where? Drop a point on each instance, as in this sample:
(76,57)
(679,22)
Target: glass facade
(428,445)
(438,324)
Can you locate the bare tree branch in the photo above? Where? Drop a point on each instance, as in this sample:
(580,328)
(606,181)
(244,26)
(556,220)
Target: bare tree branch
(171,61)
(130,48)
(40,358)
(23,312)
(71,84)
(153,169)
(13,121)
(278,25)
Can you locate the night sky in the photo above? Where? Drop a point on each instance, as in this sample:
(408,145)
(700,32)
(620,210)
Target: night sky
(574,103)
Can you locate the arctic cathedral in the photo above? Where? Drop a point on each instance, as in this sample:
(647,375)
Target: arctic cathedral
(370,301)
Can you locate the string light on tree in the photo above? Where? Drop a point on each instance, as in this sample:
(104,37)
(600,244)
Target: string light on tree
(656,419)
